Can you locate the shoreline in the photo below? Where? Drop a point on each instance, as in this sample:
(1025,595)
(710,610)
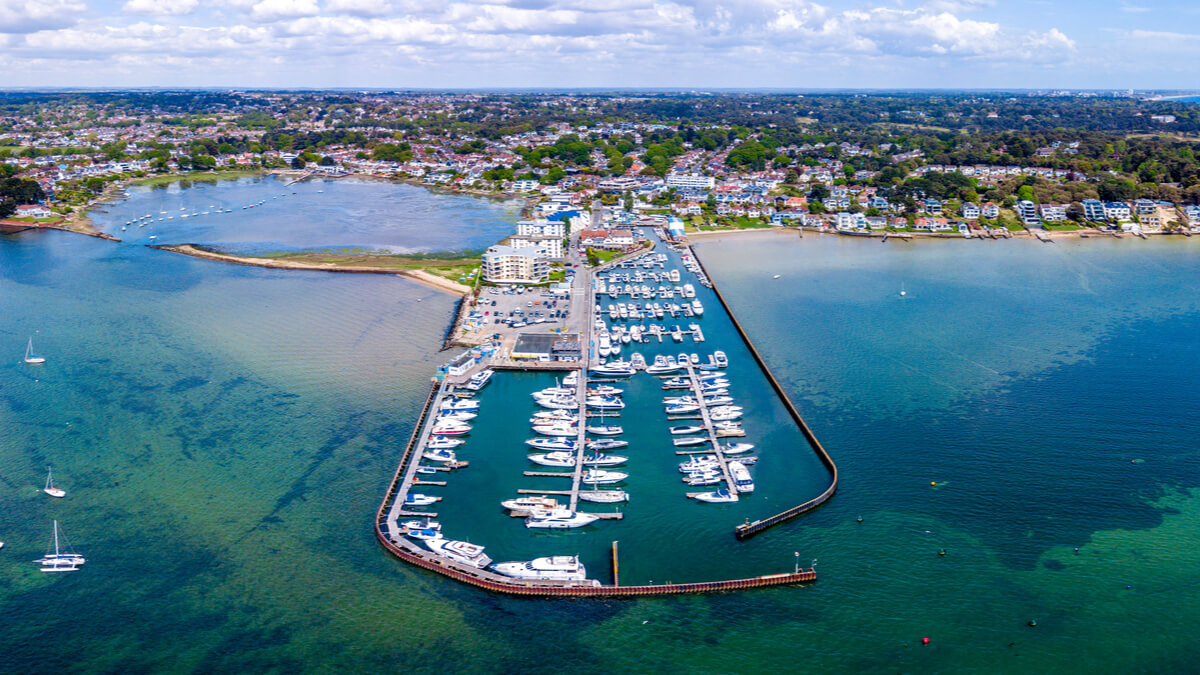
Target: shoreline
(1043,235)
(420,276)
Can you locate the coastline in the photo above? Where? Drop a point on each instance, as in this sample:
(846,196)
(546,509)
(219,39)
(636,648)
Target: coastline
(420,276)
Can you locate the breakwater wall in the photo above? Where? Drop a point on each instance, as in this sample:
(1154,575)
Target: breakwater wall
(751,528)
(410,553)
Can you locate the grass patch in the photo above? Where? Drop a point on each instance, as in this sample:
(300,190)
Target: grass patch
(452,266)
(1062,227)
(31,220)
(199,177)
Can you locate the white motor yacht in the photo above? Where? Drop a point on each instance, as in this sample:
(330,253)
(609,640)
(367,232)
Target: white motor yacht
(603,496)
(741,477)
(530,503)
(553,568)
(459,551)
(602,477)
(720,496)
(559,519)
(738,448)
(560,458)
(417,499)
(479,380)
(554,443)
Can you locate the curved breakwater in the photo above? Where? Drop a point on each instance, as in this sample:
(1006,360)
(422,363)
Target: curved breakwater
(751,528)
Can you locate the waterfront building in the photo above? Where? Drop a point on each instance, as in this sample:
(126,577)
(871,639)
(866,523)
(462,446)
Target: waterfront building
(541,228)
(1093,209)
(970,211)
(1053,213)
(511,265)
(525,185)
(1028,212)
(549,247)
(1117,212)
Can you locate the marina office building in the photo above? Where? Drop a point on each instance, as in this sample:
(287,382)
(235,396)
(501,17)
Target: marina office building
(511,265)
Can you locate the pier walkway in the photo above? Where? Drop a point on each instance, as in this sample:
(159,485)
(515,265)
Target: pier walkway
(698,392)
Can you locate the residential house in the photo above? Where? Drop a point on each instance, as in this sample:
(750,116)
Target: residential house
(33,211)
(1053,213)
(970,211)
(1117,212)
(1093,210)
(1028,212)
(990,210)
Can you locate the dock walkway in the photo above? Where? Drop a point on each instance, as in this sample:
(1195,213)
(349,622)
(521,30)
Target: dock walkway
(698,392)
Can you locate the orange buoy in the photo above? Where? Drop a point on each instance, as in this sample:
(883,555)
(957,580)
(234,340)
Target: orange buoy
(933,483)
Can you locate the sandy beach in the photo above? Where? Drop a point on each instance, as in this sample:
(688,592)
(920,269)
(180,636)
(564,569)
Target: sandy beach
(420,276)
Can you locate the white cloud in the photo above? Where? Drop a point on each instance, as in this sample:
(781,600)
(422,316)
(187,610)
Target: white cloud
(565,42)
(274,10)
(161,7)
(359,7)
(26,16)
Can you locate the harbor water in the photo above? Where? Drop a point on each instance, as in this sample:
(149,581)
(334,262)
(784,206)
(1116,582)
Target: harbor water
(266,214)
(225,433)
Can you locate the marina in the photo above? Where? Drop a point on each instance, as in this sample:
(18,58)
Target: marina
(568,437)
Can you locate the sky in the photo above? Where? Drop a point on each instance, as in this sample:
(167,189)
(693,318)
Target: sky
(888,44)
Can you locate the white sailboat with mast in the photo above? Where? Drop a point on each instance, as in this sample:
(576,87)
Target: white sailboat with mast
(30,357)
(50,489)
(63,559)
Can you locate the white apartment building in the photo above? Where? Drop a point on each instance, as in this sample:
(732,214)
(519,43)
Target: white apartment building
(549,247)
(692,181)
(542,228)
(509,265)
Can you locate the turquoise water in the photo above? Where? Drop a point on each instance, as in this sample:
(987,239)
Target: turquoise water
(312,214)
(225,434)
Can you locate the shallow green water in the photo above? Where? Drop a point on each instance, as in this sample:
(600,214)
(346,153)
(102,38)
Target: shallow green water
(225,434)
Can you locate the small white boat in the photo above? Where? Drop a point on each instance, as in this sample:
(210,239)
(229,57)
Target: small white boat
(741,477)
(456,415)
(50,489)
(459,551)
(440,455)
(466,404)
(450,428)
(720,359)
(30,357)
(599,459)
(417,499)
(608,430)
(441,443)
(530,503)
(606,444)
(720,496)
(554,443)
(560,458)
(555,430)
(603,496)
(559,519)
(679,431)
(421,524)
(547,416)
(738,448)
(602,477)
(63,559)
(553,568)
(480,379)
